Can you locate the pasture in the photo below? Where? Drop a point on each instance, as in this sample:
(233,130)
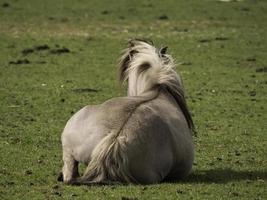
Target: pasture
(58,56)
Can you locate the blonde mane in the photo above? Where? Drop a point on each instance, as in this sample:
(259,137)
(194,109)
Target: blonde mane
(145,68)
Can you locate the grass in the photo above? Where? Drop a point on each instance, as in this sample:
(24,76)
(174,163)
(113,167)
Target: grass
(220,49)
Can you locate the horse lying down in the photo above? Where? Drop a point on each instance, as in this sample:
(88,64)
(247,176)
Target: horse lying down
(144,137)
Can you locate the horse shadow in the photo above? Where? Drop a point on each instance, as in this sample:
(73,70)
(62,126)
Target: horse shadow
(224,176)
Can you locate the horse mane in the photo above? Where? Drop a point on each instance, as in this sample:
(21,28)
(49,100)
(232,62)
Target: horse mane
(145,68)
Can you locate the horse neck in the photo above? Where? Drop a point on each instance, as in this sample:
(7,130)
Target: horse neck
(142,89)
(140,85)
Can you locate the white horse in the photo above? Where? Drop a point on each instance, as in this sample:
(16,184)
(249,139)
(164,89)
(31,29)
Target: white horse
(145,137)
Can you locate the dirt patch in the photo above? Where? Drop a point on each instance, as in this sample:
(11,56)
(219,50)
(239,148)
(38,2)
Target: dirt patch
(5,5)
(163,17)
(42,47)
(37,48)
(105,12)
(60,50)
(204,40)
(221,38)
(83,90)
(20,62)
(27,51)
(261,70)
(129,198)
(251,59)
(25,61)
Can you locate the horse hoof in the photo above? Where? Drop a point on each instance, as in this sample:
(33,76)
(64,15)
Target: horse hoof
(60,177)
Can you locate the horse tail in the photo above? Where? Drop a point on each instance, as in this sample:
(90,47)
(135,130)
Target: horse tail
(109,161)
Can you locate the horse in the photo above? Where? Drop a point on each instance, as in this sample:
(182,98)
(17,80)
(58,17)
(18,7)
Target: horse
(145,137)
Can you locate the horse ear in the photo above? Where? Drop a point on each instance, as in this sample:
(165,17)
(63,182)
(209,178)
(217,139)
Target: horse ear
(124,64)
(131,43)
(163,50)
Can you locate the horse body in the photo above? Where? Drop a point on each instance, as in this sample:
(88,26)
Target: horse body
(142,138)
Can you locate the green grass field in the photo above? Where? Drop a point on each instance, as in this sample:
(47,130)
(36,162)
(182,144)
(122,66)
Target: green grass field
(58,56)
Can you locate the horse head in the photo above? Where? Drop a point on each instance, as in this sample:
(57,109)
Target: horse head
(147,68)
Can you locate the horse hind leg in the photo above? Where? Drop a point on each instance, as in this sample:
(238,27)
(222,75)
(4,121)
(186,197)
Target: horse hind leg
(70,168)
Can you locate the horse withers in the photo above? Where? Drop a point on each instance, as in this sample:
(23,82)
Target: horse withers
(144,137)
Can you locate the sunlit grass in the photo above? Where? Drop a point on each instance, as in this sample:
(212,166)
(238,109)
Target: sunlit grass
(220,51)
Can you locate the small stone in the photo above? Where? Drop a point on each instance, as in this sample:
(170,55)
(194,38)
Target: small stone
(252,93)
